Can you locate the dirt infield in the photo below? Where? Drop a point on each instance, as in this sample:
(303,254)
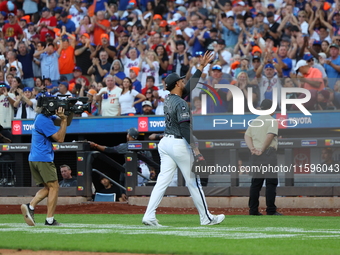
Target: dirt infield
(124,208)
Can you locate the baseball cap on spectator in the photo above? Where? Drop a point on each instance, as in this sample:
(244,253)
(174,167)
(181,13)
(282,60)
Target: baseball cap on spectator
(52,86)
(241,3)
(325,94)
(10,6)
(104,36)
(11,14)
(77,68)
(45,9)
(58,9)
(63,14)
(22,19)
(260,13)
(322,54)
(163,23)
(130,7)
(43,94)
(135,69)
(146,103)
(27,89)
(269,65)
(317,42)
(3,13)
(270,6)
(124,19)
(307,57)
(173,23)
(164,75)
(334,45)
(216,67)
(221,41)
(10,39)
(213,30)
(64,38)
(30,24)
(256,49)
(179,2)
(92,92)
(256,58)
(130,23)
(182,9)
(86,35)
(182,19)
(299,64)
(47,34)
(270,14)
(4,85)
(13,68)
(157,16)
(114,18)
(64,83)
(336,13)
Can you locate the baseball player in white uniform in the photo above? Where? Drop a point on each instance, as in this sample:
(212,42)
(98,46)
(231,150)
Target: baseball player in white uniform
(176,150)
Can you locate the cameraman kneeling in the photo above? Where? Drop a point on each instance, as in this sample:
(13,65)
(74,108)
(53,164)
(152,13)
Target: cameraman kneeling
(41,157)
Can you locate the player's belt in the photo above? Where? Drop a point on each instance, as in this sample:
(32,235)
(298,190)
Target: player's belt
(173,136)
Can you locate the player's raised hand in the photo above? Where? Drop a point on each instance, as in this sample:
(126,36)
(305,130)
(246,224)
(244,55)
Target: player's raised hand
(207,58)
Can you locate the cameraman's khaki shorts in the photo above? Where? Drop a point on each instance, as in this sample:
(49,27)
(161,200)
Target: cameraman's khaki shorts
(43,172)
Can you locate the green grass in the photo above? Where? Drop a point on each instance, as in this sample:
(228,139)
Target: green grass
(272,235)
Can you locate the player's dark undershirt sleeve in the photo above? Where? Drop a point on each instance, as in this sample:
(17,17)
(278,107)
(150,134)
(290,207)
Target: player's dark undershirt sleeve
(191,84)
(186,131)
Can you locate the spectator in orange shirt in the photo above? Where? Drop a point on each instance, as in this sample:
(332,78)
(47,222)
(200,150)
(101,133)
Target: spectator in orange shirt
(101,26)
(66,55)
(311,77)
(12,28)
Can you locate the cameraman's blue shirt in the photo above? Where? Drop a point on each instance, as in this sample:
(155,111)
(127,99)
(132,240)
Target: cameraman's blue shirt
(41,145)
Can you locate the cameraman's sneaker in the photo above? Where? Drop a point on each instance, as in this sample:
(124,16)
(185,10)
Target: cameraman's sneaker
(28,214)
(54,223)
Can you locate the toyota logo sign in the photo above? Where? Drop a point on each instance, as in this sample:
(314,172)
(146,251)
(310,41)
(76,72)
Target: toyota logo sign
(143,124)
(16,127)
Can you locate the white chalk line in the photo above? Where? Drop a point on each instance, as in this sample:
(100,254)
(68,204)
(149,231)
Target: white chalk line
(194,232)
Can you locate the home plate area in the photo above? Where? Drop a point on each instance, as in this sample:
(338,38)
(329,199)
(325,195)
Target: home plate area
(195,232)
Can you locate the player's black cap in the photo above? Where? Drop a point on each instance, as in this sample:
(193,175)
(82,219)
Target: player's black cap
(266,104)
(133,132)
(171,80)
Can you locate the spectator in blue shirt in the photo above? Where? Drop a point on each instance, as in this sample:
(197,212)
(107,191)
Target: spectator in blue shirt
(230,31)
(67,23)
(197,39)
(332,65)
(284,61)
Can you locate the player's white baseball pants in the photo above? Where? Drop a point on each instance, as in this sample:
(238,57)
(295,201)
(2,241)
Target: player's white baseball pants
(176,152)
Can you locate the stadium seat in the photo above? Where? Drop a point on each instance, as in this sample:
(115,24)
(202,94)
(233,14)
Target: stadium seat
(102,197)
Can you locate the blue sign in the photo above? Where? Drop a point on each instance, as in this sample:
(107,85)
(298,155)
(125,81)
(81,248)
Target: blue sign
(325,119)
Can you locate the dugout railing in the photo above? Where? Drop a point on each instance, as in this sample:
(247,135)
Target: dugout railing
(233,188)
(84,158)
(76,152)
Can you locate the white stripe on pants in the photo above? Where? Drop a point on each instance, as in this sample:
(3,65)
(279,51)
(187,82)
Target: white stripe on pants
(176,152)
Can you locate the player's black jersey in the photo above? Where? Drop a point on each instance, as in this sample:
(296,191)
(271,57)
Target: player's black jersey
(176,110)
